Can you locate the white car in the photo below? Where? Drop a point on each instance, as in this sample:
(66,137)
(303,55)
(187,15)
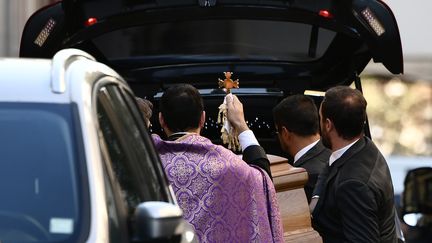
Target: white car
(77,161)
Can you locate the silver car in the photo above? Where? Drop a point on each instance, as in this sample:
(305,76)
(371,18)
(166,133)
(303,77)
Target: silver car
(77,161)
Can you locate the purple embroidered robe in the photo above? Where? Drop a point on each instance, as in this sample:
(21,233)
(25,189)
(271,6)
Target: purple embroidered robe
(224,198)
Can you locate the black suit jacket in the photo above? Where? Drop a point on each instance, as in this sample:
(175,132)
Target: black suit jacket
(255,155)
(314,161)
(356,201)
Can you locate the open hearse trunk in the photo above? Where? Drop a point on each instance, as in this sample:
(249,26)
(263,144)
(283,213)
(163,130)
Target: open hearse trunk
(275,49)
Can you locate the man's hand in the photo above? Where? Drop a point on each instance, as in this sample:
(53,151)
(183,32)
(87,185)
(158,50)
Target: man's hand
(235,113)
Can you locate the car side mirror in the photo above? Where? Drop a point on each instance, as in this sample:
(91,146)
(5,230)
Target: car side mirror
(417,197)
(159,220)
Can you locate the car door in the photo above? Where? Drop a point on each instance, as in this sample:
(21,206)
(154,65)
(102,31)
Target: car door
(132,170)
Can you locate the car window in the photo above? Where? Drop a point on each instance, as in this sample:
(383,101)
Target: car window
(237,38)
(152,157)
(116,225)
(41,174)
(129,158)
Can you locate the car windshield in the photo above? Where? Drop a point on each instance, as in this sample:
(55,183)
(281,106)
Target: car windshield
(40,175)
(224,39)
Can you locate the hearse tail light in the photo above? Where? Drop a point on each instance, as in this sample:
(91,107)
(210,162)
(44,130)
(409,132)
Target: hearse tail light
(373,22)
(90,22)
(325,13)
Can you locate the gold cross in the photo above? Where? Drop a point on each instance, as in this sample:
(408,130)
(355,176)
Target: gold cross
(228,83)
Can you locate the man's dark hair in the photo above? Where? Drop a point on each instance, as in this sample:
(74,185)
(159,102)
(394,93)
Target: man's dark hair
(181,107)
(298,114)
(346,108)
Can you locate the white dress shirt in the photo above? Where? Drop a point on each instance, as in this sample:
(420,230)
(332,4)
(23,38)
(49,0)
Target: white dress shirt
(304,150)
(246,139)
(338,153)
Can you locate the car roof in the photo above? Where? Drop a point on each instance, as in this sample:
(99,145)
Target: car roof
(63,79)
(364,30)
(27,80)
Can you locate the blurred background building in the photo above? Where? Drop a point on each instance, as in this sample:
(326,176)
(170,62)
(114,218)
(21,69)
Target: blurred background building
(400,106)
(13,16)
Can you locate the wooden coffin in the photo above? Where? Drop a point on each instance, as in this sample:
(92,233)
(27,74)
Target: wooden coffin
(289,182)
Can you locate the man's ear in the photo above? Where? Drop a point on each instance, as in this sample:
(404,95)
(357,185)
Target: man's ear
(202,119)
(328,125)
(285,133)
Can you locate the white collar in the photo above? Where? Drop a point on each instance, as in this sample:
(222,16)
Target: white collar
(338,153)
(179,133)
(176,135)
(304,150)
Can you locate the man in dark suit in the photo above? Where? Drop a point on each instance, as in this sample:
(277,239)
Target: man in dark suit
(356,201)
(297,122)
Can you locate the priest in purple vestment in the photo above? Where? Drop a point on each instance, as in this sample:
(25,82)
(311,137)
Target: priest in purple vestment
(225,198)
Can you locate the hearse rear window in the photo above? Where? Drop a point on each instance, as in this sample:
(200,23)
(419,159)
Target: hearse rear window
(226,39)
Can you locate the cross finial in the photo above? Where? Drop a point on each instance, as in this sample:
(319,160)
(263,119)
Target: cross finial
(228,83)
